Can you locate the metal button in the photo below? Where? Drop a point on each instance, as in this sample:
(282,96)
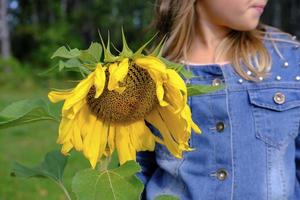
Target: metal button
(285,64)
(222,174)
(279,98)
(216,82)
(220,126)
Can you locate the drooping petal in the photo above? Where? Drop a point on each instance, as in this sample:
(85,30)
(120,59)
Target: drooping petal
(56,96)
(66,147)
(152,63)
(91,142)
(176,81)
(155,119)
(65,130)
(187,115)
(100,79)
(82,119)
(71,112)
(103,138)
(77,140)
(124,147)
(80,91)
(141,137)
(175,99)
(160,94)
(111,138)
(174,123)
(117,74)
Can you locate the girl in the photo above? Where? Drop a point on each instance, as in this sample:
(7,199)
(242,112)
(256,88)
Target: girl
(249,148)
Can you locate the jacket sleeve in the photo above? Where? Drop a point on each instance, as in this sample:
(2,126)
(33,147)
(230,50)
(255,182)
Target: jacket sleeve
(297,156)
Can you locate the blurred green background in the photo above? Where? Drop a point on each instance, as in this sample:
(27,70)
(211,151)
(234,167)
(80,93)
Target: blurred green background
(30,31)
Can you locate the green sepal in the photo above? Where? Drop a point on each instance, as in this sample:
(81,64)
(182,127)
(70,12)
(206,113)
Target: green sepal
(157,52)
(139,52)
(108,56)
(126,51)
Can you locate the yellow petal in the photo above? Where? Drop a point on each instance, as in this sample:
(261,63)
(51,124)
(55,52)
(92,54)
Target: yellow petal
(155,119)
(175,99)
(66,147)
(175,124)
(71,112)
(111,138)
(99,79)
(176,81)
(77,140)
(187,116)
(152,63)
(56,96)
(80,91)
(65,130)
(124,147)
(160,94)
(103,138)
(117,74)
(82,119)
(91,142)
(141,137)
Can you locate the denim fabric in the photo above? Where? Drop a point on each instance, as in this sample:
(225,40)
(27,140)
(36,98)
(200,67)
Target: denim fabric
(259,147)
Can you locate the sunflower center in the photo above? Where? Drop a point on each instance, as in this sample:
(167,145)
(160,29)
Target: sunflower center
(137,100)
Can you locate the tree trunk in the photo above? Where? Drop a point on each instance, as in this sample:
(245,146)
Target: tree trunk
(4,30)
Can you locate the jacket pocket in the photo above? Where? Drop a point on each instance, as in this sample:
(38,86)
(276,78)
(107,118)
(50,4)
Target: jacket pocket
(276,113)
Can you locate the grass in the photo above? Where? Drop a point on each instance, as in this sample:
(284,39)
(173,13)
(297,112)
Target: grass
(27,145)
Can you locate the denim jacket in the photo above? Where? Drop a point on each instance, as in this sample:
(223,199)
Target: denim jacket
(249,148)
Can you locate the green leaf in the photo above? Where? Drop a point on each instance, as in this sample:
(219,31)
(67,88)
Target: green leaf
(73,65)
(63,52)
(202,89)
(116,184)
(28,111)
(51,167)
(92,54)
(166,197)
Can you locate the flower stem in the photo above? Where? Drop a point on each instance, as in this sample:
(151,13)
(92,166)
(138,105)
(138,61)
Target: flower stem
(61,185)
(103,165)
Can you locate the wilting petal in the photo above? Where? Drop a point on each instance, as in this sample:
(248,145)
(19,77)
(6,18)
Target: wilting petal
(56,96)
(175,124)
(77,140)
(91,142)
(117,74)
(104,131)
(66,147)
(160,94)
(111,138)
(187,115)
(176,81)
(124,146)
(151,63)
(141,137)
(65,130)
(100,79)
(155,119)
(80,91)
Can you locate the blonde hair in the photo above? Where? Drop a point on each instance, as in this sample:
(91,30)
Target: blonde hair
(176,20)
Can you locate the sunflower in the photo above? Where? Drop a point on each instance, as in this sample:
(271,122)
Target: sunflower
(107,110)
